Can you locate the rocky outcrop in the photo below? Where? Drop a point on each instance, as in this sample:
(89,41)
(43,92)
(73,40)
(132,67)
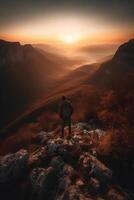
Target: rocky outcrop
(59,170)
(10,53)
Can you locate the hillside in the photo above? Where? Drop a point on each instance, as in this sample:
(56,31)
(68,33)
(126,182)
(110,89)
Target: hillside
(74,84)
(25,74)
(112,74)
(85,86)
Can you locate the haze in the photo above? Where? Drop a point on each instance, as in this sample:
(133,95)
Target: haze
(76,28)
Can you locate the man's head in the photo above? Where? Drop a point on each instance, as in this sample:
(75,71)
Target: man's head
(63,98)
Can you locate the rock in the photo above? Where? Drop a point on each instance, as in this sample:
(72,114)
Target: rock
(95,184)
(115,195)
(102,167)
(94,152)
(57,163)
(79,126)
(43,137)
(37,176)
(52,149)
(64,183)
(85,159)
(103,175)
(80,183)
(69,171)
(74,193)
(85,147)
(44,182)
(96,134)
(85,165)
(36,156)
(62,169)
(66,156)
(12,166)
(49,185)
(99,198)
(50,134)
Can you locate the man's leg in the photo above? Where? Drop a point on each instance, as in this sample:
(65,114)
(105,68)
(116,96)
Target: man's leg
(62,128)
(69,126)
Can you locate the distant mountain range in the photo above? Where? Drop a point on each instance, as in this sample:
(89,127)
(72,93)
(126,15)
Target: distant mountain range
(83,85)
(80,55)
(109,75)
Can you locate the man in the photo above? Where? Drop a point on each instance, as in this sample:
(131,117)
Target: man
(65,112)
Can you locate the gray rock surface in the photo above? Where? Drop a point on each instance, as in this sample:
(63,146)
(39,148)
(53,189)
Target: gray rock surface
(61,169)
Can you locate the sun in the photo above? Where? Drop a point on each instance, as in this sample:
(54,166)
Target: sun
(69,39)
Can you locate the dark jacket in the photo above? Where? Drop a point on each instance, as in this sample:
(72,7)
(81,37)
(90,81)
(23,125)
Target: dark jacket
(65,109)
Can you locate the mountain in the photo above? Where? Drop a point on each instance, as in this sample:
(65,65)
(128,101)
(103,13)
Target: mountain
(125,53)
(74,85)
(63,55)
(86,85)
(62,60)
(97,53)
(113,73)
(109,74)
(25,74)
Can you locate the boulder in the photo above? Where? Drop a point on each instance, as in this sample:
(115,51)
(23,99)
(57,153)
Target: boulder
(74,193)
(113,194)
(37,176)
(12,166)
(57,163)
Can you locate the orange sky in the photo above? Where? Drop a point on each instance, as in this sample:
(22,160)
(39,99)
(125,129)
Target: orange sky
(67,30)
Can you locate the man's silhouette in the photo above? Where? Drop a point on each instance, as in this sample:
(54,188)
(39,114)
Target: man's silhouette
(65,111)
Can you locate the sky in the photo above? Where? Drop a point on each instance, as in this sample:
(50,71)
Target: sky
(67,22)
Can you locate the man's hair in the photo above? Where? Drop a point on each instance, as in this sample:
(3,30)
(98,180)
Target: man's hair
(63,98)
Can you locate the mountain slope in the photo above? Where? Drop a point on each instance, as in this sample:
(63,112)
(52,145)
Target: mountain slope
(111,74)
(86,85)
(25,74)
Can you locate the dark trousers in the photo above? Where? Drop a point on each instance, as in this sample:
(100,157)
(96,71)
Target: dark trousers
(65,122)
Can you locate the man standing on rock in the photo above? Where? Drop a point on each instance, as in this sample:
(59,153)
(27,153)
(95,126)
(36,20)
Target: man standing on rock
(65,112)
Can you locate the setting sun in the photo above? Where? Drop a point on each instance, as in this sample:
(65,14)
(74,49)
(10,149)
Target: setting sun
(69,39)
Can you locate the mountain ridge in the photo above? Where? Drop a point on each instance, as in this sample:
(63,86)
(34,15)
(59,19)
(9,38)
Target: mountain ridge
(86,83)
(25,73)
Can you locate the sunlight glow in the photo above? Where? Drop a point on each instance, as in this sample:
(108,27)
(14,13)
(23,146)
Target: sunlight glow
(71,30)
(69,39)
